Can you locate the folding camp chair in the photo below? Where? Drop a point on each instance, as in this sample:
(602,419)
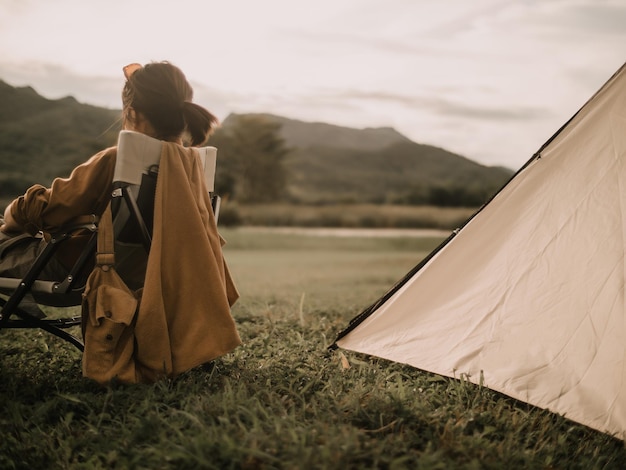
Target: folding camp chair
(132,203)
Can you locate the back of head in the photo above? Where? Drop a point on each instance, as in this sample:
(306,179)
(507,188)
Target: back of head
(161,93)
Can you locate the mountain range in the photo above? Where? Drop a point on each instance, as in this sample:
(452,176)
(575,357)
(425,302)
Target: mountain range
(330,163)
(42,138)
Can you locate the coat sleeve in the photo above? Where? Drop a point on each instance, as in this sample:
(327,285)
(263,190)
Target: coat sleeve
(86,191)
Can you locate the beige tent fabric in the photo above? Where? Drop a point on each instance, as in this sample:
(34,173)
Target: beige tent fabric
(530,293)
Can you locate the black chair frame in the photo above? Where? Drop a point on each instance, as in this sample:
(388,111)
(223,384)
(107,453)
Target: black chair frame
(68,291)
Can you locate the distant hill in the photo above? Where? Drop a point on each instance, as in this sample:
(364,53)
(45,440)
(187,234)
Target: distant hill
(303,134)
(41,139)
(332,163)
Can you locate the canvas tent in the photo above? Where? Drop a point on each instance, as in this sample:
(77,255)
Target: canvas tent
(528,296)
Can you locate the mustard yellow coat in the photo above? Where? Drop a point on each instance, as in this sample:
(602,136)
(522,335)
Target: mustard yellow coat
(184,317)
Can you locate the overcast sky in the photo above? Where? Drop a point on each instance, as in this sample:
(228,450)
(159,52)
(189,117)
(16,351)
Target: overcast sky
(489,79)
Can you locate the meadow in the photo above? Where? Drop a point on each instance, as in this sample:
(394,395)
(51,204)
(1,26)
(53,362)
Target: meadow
(282,400)
(344,215)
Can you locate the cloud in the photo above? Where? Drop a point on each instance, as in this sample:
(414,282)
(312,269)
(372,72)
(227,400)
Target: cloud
(444,107)
(56,81)
(599,18)
(480,77)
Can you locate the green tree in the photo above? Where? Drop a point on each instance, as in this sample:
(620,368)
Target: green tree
(251,160)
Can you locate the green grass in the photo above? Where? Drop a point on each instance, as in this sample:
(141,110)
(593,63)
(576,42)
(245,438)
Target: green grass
(282,400)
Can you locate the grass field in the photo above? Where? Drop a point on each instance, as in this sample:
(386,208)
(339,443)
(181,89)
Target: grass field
(345,215)
(282,400)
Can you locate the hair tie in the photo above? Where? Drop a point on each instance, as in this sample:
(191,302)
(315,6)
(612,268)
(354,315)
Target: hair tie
(131,69)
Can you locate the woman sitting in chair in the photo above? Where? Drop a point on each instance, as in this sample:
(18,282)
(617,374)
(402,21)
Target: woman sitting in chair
(184,317)
(156,101)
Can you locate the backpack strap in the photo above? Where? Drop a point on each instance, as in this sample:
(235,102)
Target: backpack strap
(105,255)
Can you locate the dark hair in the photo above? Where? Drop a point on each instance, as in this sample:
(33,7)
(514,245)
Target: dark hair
(161,92)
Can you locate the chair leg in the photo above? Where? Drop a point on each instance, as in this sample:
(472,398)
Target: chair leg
(11,305)
(55,327)
(24,287)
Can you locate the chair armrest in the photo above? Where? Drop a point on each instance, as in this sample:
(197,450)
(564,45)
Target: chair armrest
(86,222)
